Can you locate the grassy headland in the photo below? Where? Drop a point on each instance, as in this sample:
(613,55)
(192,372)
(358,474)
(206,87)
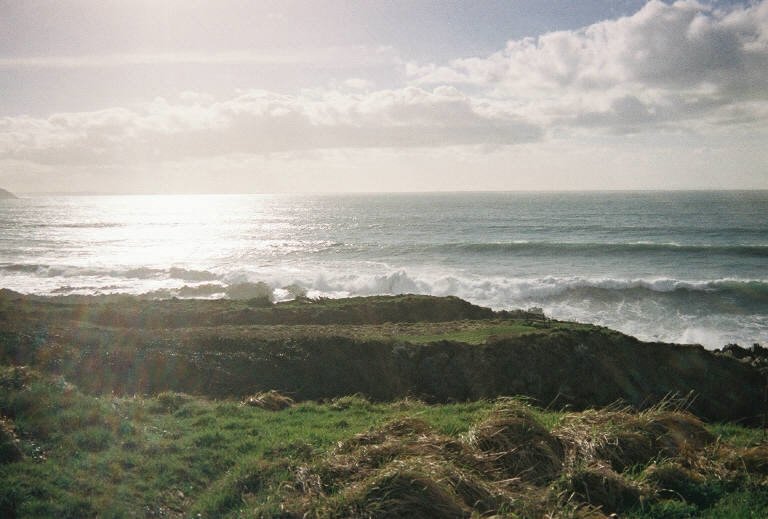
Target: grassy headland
(116,406)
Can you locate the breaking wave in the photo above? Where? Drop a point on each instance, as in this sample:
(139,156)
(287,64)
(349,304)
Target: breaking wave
(498,292)
(550,248)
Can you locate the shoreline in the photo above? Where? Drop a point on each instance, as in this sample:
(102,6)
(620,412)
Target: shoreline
(689,329)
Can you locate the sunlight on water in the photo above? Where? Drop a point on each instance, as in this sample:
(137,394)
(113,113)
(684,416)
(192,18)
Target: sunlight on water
(159,231)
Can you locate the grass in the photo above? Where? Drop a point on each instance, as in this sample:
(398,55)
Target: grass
(103,452)
(739,436)
(175,455)
(470,333)
(86,455)
(129,311)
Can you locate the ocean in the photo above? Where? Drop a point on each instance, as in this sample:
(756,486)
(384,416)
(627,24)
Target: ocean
(687,267)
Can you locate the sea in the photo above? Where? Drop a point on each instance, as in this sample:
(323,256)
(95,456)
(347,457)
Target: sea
(684,267)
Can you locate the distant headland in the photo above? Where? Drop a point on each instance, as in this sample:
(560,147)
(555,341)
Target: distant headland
(6,194)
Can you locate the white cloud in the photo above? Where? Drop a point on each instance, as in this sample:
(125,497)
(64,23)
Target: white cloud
(683,64)
(330,57)
(357,83)
(623,103)
(261,122)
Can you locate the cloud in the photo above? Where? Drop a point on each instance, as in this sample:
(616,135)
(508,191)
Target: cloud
(262,122)
(684,63)
(674,68)
(358,83)
(330,57)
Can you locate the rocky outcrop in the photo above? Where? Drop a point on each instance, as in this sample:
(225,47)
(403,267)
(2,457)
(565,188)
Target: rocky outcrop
(756,356)
(6,194)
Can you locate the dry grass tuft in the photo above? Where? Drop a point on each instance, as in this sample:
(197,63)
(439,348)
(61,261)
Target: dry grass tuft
(672,480)
(270,400)
(398,440)
(404,468)
(510,465)
(518,444)
(754,460)
(611,436)
(604,488)
(406,493)
(675,433)
(473,492)
(398,428)
(624,439)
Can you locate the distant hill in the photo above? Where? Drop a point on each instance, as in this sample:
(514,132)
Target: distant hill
(6,194)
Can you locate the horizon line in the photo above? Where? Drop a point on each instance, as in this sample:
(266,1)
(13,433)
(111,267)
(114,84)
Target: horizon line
(455,191)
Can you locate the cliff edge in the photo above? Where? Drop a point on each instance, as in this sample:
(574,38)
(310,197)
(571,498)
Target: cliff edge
(437,349)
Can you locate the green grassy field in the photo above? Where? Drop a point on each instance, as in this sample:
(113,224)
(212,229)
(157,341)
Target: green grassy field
(85,455)
(174,455)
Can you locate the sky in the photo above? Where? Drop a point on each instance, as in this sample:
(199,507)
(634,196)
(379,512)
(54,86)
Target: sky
(225,96)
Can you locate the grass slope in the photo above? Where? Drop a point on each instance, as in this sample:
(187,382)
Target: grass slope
(66,454)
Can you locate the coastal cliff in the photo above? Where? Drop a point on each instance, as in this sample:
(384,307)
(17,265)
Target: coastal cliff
(436,349)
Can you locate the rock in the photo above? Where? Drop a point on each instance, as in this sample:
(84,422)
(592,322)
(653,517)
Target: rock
(735,351)
(6,194)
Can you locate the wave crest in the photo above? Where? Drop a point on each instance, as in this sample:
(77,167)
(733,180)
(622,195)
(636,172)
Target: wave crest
(548,248)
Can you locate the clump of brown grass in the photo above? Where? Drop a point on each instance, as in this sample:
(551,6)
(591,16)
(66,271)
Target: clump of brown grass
(382,471)
(609,435)
(475,493)
(673,480)
(624,439)
(10,446)
(397,428)
(517,444)
(675,433)
(399,439)
(271,400)
(510,464)
(754,460)
(604,488)
(406,493)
